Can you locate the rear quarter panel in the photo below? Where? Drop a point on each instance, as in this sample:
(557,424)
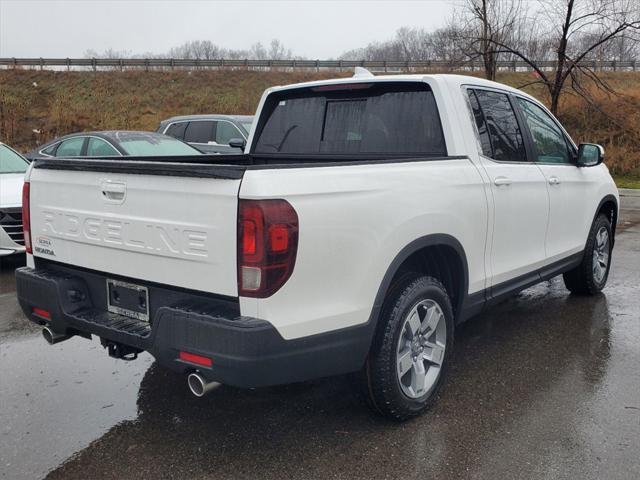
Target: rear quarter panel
(354,220)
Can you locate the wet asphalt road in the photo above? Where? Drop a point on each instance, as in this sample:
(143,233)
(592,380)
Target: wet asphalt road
(545,385)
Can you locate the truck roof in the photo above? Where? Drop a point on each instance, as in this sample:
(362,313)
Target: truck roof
(452,80)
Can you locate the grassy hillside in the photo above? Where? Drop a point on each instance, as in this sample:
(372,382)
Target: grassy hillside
(36,106)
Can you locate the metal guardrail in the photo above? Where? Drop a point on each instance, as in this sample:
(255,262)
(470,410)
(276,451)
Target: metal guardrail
(384,65)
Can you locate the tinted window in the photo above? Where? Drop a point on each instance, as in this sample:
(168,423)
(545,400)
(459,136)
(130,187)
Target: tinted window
(100,148)
(176,130)
(11,162)
(199,132)
(343,127)
(483,132)
(225,131)
(504,133)
(71,147)
(391,118)
(549,141)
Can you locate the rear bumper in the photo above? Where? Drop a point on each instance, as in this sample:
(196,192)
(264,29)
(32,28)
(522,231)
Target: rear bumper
(245,352)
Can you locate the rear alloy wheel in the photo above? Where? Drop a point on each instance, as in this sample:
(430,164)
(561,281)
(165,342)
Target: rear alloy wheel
(421,347)
(591,275)
(411,348)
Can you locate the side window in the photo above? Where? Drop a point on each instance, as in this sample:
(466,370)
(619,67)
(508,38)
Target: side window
(50,150)
(225,131)
(199,132)
(483,132)
(71,147)
(505,136)
(100,148)
(549,141)
(176,130)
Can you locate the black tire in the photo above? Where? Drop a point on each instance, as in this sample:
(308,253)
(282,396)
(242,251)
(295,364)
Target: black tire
(582,280)
(378,382)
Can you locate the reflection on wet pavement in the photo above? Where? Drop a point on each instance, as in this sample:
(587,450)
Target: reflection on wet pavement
(545,385)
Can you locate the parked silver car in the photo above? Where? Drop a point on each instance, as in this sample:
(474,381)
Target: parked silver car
(113,143)
(210,133)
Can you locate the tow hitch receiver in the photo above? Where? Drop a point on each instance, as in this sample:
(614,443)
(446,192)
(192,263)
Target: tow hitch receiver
(120,351)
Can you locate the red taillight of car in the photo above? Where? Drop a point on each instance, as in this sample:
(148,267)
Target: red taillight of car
(267,246)
(26,217)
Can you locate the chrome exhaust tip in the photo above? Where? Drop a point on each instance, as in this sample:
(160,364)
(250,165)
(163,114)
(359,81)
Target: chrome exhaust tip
(199,385)
(52,337)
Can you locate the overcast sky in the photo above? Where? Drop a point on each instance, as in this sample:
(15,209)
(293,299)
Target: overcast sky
(311,28)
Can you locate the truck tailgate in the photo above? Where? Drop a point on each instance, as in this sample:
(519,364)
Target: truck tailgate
(173,230)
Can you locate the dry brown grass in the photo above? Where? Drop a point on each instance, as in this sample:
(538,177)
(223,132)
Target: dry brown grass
(65,102)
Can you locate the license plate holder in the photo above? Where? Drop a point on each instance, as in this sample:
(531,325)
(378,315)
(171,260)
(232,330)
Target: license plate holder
(128,299)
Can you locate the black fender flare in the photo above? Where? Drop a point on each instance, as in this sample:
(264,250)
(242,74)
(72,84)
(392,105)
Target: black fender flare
(436,239)
(605,199)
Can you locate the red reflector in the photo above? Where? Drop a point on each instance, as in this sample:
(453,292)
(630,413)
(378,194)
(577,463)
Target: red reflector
(41,313)
(279,238)
(197,359)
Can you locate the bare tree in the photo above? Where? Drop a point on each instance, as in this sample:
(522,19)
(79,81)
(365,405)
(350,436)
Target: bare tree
(481,24)
(578,29)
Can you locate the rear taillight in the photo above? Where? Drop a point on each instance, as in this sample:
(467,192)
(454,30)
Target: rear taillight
(26,217)
(267,246)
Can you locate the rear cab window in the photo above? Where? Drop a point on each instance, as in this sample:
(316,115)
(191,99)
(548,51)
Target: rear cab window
(361,119)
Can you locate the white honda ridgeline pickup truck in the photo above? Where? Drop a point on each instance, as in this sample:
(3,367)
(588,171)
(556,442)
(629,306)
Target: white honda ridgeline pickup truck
(367,218)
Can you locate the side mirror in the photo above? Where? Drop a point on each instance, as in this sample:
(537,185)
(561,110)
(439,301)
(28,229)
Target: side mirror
(590,154)
(237,143)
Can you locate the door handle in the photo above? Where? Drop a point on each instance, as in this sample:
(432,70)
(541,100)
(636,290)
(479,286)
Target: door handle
(500,181)
(554,181)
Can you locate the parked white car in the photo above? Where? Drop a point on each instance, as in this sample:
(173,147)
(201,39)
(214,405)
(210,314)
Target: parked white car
(367,217)
(12,169)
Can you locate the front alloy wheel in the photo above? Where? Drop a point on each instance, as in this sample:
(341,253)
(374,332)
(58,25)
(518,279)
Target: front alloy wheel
(591,275)
(601,255)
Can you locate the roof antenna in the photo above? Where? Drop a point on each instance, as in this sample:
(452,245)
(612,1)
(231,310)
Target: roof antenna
(361,72)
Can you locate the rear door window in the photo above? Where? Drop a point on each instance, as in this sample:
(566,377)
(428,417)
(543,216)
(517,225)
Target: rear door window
(71,147)
(497,117)
(357,119)
(199,132)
